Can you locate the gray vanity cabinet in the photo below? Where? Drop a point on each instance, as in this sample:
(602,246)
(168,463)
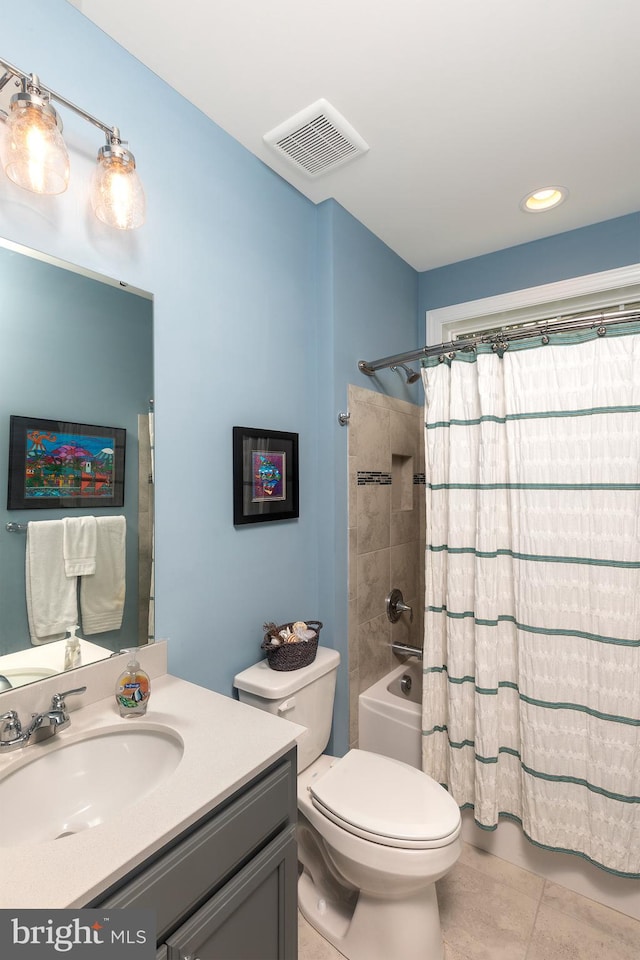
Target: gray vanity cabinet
(226,889)
(246,920)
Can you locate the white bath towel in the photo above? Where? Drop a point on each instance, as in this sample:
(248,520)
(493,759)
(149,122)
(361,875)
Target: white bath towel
(79,546)
(102,593)
(52,602)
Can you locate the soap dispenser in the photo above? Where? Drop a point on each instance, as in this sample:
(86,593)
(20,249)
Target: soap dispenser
(133,688)
(72,654)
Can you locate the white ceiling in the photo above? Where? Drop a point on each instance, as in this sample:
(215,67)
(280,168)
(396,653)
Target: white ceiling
(467,105)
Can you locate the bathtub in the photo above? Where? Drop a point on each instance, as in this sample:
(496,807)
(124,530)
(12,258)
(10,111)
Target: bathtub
(390,723)
(390,715)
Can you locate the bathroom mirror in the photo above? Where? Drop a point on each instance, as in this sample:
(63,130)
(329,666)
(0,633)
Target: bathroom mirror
(77,348)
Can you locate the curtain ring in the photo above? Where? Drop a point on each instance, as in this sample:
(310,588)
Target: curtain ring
(601,331)
(452,355)
(545,339)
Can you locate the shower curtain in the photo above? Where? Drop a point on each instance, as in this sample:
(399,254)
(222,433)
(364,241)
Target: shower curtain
(531,706)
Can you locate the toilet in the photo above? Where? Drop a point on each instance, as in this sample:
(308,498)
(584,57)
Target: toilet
(374,834)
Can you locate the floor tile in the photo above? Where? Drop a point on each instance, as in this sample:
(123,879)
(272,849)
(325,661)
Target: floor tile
(450,953)
(504,872)
(483,919)
(558,936)
(493,910)
(609,922)
(311,946)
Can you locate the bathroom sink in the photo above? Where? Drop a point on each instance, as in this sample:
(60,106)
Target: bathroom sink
(18,676)
(70,786)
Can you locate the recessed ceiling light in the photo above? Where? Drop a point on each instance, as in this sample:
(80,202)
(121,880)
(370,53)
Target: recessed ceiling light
(543,199)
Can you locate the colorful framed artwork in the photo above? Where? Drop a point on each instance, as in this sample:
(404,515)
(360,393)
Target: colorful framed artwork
(68,465)
(265,475)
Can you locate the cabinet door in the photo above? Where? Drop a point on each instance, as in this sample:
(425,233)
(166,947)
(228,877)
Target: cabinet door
(192,869)
(253,917)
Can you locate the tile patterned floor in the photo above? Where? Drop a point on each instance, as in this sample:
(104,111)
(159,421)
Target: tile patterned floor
(492,910)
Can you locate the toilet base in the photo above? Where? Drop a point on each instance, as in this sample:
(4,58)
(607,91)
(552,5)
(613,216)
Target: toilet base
(363,927)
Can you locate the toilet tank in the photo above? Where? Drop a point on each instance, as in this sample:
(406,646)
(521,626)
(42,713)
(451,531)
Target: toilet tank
(304,696)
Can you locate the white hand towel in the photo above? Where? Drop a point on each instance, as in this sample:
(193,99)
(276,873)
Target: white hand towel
(52,602)
(79,546)
(102,593)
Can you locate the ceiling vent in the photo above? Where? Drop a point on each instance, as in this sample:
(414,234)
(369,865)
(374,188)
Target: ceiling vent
(316,140)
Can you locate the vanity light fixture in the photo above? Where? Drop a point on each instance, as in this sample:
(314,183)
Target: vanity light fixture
(35,157)
(117,197)
(543,199)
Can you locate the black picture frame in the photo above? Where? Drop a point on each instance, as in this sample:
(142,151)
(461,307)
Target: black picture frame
(265,475)
(67,465)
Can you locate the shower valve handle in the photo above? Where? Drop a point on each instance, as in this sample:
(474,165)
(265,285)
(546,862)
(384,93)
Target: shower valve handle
(396,606)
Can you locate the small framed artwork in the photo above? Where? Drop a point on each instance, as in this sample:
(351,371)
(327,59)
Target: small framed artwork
(265,475)
(68,465)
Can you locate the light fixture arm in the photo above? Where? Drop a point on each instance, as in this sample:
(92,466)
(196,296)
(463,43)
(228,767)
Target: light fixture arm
(28,79)
(4,79)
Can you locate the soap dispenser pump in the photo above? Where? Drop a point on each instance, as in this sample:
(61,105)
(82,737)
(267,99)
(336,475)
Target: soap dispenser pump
(72,651)
(133,688)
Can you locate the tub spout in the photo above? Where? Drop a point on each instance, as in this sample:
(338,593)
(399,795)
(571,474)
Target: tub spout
(406,650)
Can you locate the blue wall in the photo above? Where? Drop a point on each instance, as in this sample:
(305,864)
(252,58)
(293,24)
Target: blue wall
(368,308)
(263,304)
(229,252)
(602,246)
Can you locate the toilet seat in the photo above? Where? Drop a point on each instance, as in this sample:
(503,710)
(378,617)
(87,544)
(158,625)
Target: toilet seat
(388,802)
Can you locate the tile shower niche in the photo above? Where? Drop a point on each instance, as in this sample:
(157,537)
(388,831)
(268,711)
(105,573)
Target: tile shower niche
(402,485)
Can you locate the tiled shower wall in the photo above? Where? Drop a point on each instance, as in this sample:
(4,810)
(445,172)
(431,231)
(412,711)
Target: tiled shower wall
(386,534)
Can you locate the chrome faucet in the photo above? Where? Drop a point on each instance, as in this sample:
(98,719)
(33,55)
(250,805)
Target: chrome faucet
(42,726)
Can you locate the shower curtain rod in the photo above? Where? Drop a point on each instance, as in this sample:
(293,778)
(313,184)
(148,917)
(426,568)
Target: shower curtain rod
(501,339)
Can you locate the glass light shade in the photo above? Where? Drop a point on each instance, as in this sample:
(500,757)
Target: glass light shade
(35,155)
(117,197)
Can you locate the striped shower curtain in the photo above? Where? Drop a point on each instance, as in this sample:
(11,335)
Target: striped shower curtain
(531,703)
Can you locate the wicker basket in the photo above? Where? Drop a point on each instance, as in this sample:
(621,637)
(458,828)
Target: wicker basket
(292,656)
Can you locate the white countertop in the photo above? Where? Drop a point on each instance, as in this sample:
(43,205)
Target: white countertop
(226,743)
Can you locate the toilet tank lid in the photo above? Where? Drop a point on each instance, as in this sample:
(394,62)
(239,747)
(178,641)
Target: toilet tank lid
(262,681)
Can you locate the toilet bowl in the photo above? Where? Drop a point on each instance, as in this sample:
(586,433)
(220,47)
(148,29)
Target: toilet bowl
(374,834)
(369,886)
